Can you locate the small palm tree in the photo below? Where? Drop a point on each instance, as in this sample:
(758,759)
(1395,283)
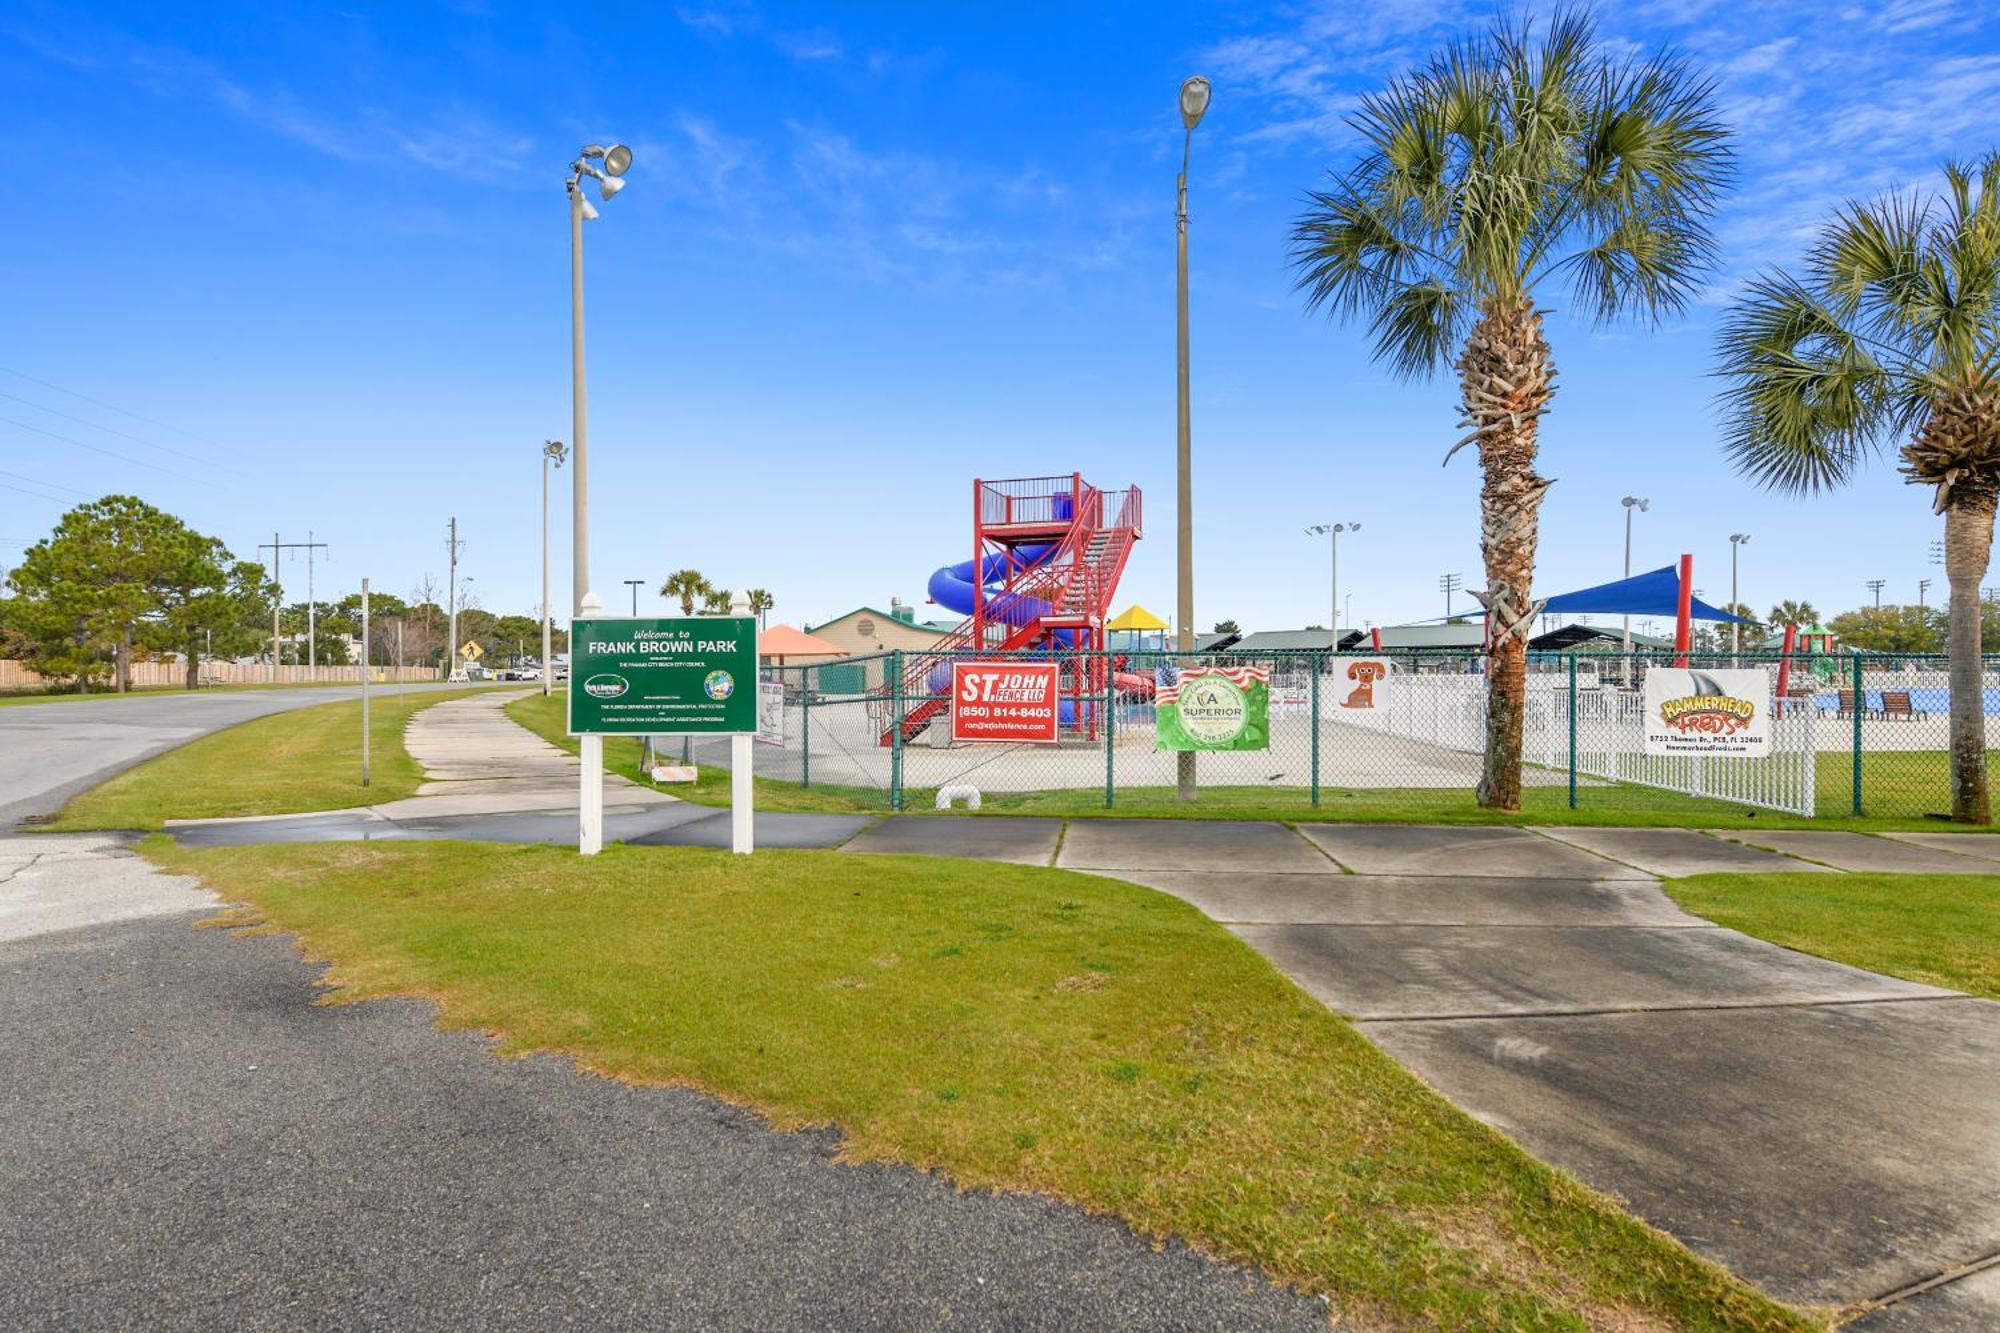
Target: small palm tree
(688,586)
(760,603)
(1892,333)
(1790,612)
(715,602)
(1505,166)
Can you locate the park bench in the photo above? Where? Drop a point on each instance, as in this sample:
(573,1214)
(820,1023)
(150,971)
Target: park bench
(1896,703)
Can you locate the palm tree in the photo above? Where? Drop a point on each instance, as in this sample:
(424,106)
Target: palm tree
(1790,612)
(1507,165)
(760,602)
(715,602)
(688,585)
(1892,333)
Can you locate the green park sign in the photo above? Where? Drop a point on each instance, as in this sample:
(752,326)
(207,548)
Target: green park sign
(678,676)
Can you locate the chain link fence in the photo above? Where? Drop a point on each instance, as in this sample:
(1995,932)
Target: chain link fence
(1378,735)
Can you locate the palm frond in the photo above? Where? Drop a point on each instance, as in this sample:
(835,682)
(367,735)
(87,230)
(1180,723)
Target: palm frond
(1804,400)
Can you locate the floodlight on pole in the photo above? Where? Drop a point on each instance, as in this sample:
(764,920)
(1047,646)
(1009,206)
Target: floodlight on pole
(1736,540)
(1193,106)
(617,160)
(1332,531)
(1631,502)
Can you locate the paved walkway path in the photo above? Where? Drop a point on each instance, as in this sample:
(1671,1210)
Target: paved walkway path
(1832,1134)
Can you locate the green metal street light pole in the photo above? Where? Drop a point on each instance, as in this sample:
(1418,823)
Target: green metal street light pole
(1194,103)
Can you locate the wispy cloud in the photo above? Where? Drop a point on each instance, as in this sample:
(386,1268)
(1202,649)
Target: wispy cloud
(447,139)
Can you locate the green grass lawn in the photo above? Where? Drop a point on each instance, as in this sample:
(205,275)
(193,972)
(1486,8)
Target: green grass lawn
(287,763)
(1015,1028)
(1943,930)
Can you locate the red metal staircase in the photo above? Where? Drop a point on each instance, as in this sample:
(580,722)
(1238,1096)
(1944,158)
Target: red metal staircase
(1092,533)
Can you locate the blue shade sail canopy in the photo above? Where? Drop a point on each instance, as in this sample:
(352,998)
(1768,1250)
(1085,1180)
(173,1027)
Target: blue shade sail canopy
(1657,592)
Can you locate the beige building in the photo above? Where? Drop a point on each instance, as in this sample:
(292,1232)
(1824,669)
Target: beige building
(863,633)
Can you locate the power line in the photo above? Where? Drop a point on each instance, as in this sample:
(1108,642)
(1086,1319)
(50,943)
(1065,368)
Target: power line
(108,430)
(97,402)
(37,481)
(98,449)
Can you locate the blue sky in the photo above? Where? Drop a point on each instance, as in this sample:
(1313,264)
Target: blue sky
(307,269)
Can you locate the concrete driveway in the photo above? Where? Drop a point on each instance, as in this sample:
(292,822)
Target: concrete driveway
(1831,1134)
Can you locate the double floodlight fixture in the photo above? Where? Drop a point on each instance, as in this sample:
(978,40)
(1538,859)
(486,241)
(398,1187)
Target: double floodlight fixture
(610,176)
(1322,529)
(1739,537)
(555,452)
(1634,502)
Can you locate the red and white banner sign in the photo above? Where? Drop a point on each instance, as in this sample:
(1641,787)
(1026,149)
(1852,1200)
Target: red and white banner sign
(1011,702)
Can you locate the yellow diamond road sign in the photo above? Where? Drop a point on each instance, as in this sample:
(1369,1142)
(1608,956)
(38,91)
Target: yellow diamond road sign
(471,651)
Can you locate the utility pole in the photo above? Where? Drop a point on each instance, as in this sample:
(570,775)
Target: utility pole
(1923,586)
(1875,586)
(312,611)
(452,545)
(277,546)
(633,584)
(1449,584)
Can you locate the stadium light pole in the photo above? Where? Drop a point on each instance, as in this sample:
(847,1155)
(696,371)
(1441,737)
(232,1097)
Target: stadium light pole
(553,454)
(1332,531)
(610,178)
(1194,105)
(1630,502)
(1736,540)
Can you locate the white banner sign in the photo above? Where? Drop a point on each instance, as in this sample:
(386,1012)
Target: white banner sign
(1361,684)
(771,712)
(1707,712)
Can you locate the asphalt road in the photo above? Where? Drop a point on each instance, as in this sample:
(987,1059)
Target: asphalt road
(188,1142)
(50,752)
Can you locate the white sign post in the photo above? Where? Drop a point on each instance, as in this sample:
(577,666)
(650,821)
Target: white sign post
(742,752)
(590,802)
(1710,712)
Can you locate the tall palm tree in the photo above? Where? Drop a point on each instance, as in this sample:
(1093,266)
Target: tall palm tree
(1506,166)
(1890,333)
(1791,612)
(760,603)
(715,602)
(688,586)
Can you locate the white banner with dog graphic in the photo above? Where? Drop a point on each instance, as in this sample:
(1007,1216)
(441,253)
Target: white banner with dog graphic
(1360,685)
(1714,711)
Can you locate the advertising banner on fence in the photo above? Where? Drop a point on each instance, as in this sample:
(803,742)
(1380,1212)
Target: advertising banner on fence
(1361,684)
(1215,708)
(652,676)
(1013,703)
(1707,712)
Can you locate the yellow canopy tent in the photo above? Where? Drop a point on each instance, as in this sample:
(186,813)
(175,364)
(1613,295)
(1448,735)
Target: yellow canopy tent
(1138,622)
(1136,617)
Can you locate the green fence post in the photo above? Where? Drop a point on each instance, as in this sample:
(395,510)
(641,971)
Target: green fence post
(1317,666)
(1110,720)
(806,728)
(1572,731)
(896,729)
(1860,703)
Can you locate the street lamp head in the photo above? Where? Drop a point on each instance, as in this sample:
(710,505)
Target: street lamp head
(608,186)
(1634,502)
(588,209)
(1739,537)
(554,451)
(617,160)
(1194,101)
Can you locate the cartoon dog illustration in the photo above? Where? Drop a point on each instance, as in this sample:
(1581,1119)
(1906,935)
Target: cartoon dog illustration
(1364,674)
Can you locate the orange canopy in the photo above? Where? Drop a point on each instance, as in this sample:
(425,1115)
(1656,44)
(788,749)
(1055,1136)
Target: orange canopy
(782,641)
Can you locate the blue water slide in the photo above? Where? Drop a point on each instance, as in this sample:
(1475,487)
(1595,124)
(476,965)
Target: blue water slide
(952,586)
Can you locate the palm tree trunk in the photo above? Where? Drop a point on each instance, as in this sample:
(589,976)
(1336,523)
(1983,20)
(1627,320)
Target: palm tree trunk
(1968,541)
(1506,378)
